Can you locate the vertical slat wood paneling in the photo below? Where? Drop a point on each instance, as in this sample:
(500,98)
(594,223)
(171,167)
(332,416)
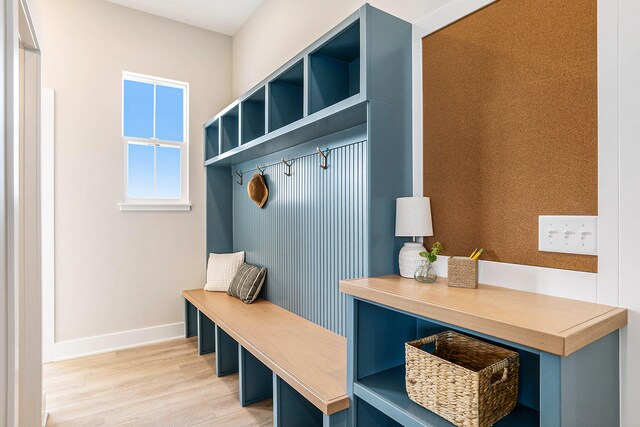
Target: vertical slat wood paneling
(310,234)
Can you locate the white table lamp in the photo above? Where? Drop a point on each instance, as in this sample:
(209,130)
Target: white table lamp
(413,218)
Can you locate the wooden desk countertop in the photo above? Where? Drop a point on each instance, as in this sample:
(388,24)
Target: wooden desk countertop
(555,325)
(310,358)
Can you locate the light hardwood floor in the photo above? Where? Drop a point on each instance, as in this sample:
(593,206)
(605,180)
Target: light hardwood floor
(165,384)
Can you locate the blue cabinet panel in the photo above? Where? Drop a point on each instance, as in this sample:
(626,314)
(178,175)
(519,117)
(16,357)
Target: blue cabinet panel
(310,234)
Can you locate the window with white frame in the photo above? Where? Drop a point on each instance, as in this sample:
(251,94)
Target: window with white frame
(155,134)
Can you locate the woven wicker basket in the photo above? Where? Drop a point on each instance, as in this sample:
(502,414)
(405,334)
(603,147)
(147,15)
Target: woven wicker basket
(466,381)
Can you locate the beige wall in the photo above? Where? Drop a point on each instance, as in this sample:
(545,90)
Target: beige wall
(118,271)
(279,29)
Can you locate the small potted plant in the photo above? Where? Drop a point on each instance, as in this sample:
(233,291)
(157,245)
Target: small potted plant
(426,273)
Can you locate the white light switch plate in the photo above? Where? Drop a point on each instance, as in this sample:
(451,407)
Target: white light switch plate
(568,234)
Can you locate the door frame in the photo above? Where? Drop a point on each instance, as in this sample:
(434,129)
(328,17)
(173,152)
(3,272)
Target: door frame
(20,291)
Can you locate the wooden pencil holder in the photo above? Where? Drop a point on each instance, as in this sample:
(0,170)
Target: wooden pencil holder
(463,272)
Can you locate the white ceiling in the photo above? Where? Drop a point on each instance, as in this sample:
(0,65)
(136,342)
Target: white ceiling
(222,16)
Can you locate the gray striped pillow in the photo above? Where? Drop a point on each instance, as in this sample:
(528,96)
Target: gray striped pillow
(247,283)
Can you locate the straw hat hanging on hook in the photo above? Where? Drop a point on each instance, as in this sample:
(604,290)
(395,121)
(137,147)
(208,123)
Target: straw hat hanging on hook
(257,188)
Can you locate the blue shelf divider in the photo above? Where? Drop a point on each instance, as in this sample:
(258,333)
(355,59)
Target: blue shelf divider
(229,130)
(212,139)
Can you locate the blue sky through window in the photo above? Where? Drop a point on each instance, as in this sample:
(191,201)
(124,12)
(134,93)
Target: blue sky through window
(154,169)
(141,175)
(138,109)
(169,113)
(168,172)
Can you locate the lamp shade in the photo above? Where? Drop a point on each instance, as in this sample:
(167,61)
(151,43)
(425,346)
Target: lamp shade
(413,217)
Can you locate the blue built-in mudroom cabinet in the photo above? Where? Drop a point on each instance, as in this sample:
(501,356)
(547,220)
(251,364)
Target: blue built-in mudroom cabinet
(348,94)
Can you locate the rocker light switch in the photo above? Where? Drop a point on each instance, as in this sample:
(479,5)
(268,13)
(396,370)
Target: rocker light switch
(568,234)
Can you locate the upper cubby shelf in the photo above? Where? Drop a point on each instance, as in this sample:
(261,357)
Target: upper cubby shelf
(230,131)
(341,116)
(253,116)
(286,97)
(317,92)
(334,69)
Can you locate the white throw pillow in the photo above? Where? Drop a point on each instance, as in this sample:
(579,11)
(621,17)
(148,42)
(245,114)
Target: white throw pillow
(221,269)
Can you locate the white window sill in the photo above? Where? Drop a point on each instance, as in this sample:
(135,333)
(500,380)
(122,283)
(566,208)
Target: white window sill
(164,207)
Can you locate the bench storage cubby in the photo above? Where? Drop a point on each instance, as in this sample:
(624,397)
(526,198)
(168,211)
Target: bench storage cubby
(277,354)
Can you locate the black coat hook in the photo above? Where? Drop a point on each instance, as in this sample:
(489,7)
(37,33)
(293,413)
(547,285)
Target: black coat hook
(239,176)
(288,165)
(323,155)
(261,169)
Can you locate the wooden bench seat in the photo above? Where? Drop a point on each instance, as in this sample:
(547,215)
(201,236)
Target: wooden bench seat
(311,359)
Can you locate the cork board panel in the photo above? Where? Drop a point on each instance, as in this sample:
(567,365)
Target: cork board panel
(510,127)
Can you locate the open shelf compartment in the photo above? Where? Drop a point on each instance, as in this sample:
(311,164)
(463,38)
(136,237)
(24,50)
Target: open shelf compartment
(380,373)
(286,97)
(334,69)
(387,392)
(253,116)
(340,117)
(212,140)
(230,130)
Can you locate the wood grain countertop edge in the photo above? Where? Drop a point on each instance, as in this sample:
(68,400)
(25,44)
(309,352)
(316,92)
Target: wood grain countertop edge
(561,344)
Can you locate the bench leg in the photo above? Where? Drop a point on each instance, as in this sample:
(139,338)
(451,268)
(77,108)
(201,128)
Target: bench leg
(206,335)
(290,408)
(338,419)
(256,382)
(227,353)
(190,319)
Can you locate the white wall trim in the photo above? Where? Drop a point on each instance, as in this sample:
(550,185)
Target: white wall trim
(608,153)
(47,191)
(577,285)
(562,283)
(72,349)
(7,342)
(154,206)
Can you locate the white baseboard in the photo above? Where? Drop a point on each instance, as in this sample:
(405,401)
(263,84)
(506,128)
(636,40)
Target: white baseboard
(72,349)
(548,281)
